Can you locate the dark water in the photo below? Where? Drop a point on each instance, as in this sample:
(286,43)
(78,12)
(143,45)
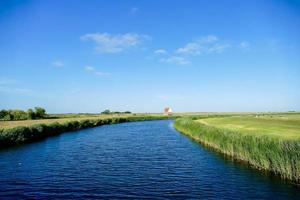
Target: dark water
(131,160)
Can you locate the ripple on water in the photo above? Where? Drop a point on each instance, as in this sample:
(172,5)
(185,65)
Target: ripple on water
(132,160)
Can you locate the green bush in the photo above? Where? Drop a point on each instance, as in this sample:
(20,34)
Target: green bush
(7,115)
(15,135)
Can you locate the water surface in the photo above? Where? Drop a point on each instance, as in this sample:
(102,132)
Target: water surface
(130,160)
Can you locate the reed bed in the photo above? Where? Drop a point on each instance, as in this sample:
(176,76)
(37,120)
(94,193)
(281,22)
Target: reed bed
(277,154)
(35,131)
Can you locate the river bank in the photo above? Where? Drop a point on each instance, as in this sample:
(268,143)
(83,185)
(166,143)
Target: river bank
(136,160)
(278,154)
(37,131)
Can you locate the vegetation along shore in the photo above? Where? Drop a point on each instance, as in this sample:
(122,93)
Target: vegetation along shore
(25,131)
(267,142)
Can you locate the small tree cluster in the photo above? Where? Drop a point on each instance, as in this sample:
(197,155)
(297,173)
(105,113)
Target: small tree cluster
(37,113)
(106,112)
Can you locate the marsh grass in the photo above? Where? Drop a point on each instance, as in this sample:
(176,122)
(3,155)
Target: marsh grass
(36,131)
(279,155)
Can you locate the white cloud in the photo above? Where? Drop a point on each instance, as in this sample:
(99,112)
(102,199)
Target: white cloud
(208,39)
(95,72)
(108,43)
(244,45)
(160,51)
(89,68)
(175,60)
(206,44)
(58,63)
(218,48)
(191,48)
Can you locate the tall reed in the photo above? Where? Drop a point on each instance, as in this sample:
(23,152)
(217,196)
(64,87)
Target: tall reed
(26,134)
(278,155)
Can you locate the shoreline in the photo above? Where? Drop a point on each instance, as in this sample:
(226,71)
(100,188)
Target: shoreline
(27,134)
(284,161)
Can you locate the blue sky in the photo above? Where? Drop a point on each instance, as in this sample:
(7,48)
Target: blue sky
(86,56)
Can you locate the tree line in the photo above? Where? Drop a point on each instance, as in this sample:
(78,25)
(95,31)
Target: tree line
(106,112)
(36,113)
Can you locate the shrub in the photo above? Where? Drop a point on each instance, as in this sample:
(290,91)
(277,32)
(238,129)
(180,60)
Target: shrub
(105,112)
(22,115)
(40,112)
(30,114)
(15,135)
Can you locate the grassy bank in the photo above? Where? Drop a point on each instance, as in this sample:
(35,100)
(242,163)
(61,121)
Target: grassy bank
(23,131)
(18,132)
(267,142)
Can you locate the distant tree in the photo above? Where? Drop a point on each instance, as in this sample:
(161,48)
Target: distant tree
(30,114)
(3,113)
(22,115)
(7,117)
(17,114)
(40,112)
(127,112)
(105,112)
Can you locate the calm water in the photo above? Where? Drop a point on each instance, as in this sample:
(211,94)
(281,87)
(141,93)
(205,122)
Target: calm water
(131,160)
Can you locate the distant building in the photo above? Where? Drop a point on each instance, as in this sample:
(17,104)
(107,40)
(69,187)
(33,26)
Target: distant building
(167,111)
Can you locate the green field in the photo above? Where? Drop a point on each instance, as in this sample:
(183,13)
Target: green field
(278,125)
(266,141)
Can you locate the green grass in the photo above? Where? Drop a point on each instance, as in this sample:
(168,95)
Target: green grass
(31,130)
(267,142)
(24,131)
(282,125)
(63,118)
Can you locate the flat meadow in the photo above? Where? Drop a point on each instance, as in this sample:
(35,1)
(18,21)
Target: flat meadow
(277,125)
(266,141)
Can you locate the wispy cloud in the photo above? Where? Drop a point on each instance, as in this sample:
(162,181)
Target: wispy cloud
(160,51)
(218,48)
(108,43)
(10,86)
(191,48)
(89,68)
(177,60)
(206,44)
(17,91)
(208,39)
(134,11)
(7,81)
(92,70)
(58,63)
(244,45)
